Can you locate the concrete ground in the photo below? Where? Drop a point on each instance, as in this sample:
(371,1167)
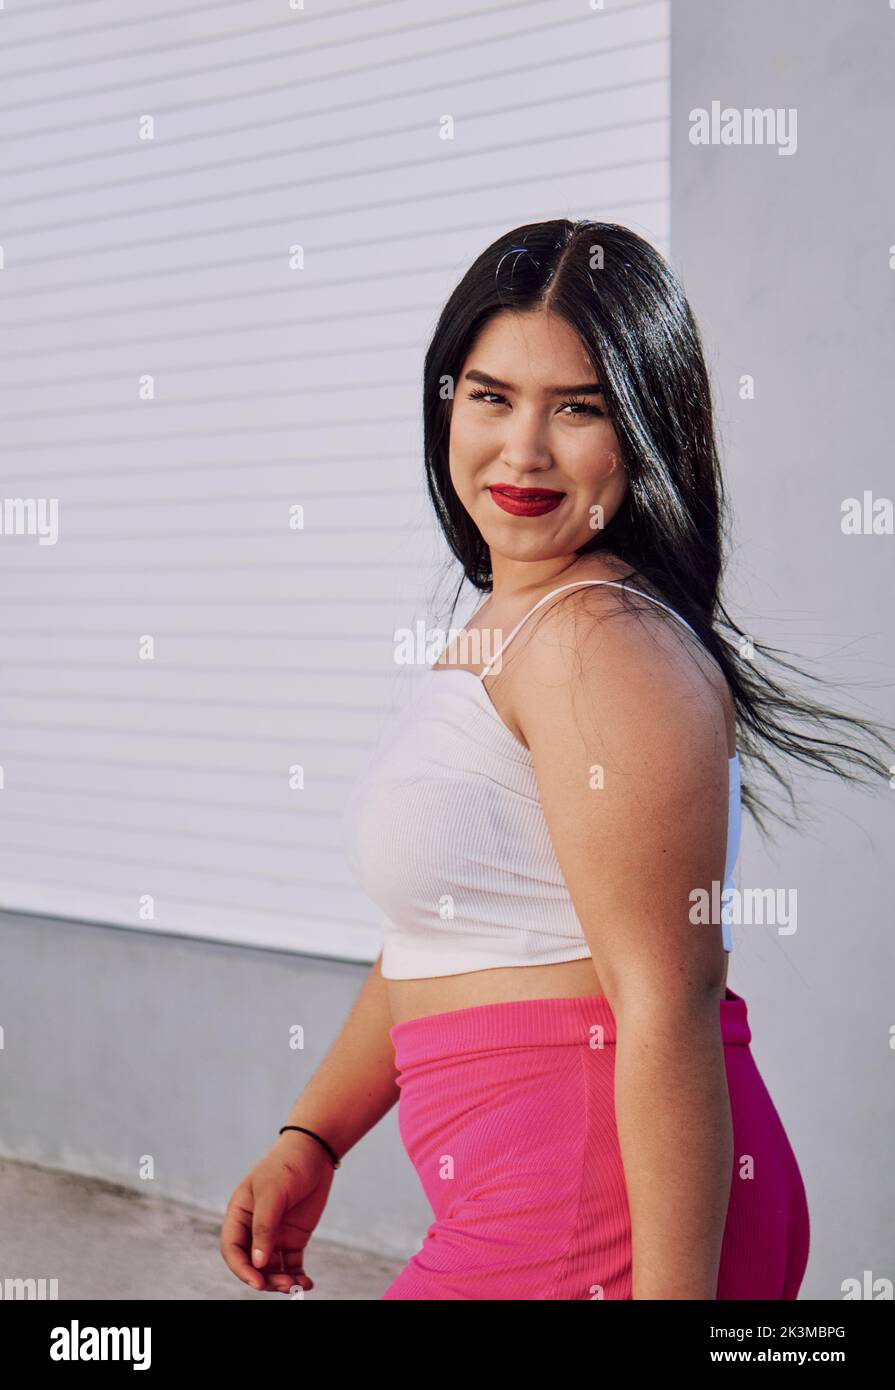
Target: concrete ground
(100,1241)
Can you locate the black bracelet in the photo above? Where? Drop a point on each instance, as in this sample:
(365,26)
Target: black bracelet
(336,1162)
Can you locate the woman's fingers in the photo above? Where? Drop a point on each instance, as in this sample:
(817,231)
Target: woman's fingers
(286,1282)
(236,1236)
(270,1204)
(286,1269)
(262,1243)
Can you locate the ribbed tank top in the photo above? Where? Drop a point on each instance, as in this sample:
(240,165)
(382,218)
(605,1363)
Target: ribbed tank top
(445,832)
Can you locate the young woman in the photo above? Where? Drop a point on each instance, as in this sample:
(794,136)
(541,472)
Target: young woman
(542,821)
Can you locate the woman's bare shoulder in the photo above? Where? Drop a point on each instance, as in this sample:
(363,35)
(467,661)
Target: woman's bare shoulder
(630,661)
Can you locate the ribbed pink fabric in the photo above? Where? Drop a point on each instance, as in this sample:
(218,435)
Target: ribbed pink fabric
(507,1114)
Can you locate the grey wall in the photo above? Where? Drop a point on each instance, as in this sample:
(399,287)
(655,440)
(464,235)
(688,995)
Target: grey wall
(120,1044)
(786,261)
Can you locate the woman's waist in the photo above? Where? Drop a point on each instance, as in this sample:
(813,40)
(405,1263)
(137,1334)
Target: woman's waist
(418,998)
(422,997)
(530,1021)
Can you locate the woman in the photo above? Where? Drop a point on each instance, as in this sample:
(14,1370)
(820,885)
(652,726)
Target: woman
(548,998)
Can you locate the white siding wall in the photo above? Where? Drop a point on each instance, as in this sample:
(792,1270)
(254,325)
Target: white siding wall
(273,386)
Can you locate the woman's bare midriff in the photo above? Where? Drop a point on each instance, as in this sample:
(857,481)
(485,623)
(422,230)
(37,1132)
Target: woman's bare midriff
(567,980)
(573,979)
(418,998)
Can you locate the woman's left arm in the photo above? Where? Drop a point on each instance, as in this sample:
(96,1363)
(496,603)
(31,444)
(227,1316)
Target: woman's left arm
(629,746)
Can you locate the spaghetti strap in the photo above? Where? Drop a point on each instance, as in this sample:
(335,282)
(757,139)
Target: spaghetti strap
(612,583)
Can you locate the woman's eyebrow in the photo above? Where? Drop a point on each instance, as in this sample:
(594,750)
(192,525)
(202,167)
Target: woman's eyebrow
(590,388)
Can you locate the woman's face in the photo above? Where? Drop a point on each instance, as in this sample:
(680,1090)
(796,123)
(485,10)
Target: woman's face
(516,425)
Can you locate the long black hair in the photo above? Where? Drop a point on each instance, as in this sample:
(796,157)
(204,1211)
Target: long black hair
(632,317)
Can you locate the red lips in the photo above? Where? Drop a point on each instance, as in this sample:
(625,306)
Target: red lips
(526,501)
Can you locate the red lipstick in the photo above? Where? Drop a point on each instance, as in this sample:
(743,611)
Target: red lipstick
(526,501)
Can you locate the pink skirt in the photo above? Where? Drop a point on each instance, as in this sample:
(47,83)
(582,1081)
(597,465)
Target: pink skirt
(507,1114)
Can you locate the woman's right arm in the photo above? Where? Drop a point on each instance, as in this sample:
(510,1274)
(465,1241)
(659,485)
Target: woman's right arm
(278,1204)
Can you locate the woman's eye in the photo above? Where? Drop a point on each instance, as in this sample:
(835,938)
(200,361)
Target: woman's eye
(579,407)
(584,408)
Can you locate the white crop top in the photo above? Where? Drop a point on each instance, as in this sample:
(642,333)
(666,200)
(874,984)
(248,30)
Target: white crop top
(445,832)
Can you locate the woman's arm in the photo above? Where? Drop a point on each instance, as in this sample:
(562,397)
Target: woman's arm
(673,1118)
(628,739)
(355,1083)
(276,1207)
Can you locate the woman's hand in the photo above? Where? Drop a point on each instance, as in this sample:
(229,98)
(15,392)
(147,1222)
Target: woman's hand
(273,1212)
